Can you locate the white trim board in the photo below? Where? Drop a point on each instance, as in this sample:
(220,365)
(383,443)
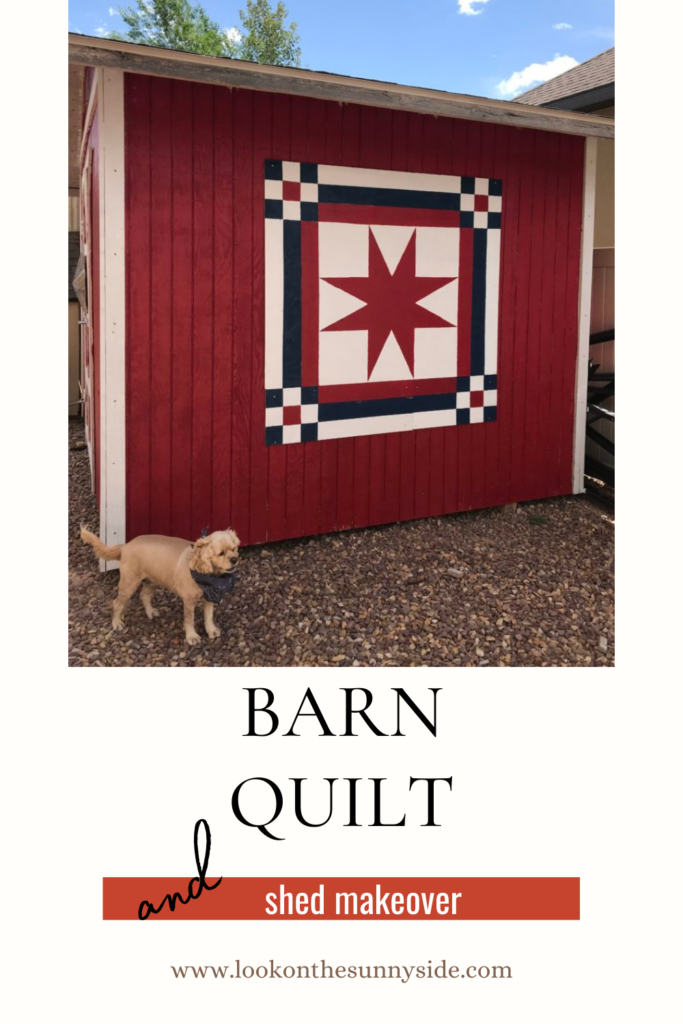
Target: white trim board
(85,234)
(112,313)
(585,295)
(90,113)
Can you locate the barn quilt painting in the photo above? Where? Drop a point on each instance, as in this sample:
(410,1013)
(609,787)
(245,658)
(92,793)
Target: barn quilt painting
(381,301)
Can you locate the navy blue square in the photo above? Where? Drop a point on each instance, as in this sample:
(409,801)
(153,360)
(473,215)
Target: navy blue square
(274,170)
(309,172)
(309,211)
(490,381)
(490,414)
(494,220)
(273,435)
(274,209)
(309,396)
(274,398)
(462,416)
(495,187)
(309,431)
(467,185)
(467,219)
(463,384)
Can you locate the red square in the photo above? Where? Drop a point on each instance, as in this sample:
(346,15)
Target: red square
(291,190)
(476,399)
(481,202)
(291,415)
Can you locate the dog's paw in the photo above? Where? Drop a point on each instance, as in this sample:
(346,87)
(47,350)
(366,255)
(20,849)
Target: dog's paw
(118,625)
(152,613)
(193,638)
(213,633)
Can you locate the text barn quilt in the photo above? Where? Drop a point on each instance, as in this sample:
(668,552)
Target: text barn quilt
(381,300)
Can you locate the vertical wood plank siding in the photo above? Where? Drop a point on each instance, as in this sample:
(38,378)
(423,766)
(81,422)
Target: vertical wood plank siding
(196,454)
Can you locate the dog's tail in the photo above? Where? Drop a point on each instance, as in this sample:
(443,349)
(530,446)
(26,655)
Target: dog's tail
(110,553)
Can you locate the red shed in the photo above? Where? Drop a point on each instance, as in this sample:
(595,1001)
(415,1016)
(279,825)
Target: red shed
(318,302)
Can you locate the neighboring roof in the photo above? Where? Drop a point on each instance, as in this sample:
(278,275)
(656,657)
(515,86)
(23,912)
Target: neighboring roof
(93,51)
(589,78)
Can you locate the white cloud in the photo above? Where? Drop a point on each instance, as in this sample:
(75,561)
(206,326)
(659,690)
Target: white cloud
(234,35)
(468,6)
(535,74)
(101,31)
(113,12)
(562,24)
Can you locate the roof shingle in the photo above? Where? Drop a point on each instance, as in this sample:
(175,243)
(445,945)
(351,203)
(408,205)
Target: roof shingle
(597,71)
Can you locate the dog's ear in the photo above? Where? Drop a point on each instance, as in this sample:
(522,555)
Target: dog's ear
(200,559)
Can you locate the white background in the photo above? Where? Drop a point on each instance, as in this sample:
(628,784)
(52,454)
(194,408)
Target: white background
(550,778)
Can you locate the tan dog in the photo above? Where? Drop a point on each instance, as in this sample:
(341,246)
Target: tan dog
(157,561)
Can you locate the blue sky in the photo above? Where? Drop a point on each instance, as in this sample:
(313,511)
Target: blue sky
(484,47)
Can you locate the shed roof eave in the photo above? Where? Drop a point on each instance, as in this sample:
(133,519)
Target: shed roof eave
(150,60)
(602,96)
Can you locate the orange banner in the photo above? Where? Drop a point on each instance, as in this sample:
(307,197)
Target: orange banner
(325,899)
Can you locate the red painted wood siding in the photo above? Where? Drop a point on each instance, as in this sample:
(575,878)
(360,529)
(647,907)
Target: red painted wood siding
(195,318)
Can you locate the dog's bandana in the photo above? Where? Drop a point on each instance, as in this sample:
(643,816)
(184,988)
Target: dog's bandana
(214,586)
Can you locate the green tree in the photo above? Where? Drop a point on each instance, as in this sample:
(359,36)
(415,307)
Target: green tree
(182,25)
(176,25)
(266,38)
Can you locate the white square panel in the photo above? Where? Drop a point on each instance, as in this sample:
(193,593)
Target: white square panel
(291,210)
(291,396)
(309,192)
(438,251)
(436,352)
(291,433)
(274,416)
(290,171)
(343,357)
(343,250)
(273,189)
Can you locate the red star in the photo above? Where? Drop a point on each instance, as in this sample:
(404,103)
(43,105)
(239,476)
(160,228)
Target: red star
(391,303)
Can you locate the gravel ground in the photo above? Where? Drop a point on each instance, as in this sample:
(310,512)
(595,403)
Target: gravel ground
(533,587)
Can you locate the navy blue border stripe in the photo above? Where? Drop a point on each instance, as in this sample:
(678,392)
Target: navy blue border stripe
(478,335)
(384,407)
(291,330)
(356,195)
